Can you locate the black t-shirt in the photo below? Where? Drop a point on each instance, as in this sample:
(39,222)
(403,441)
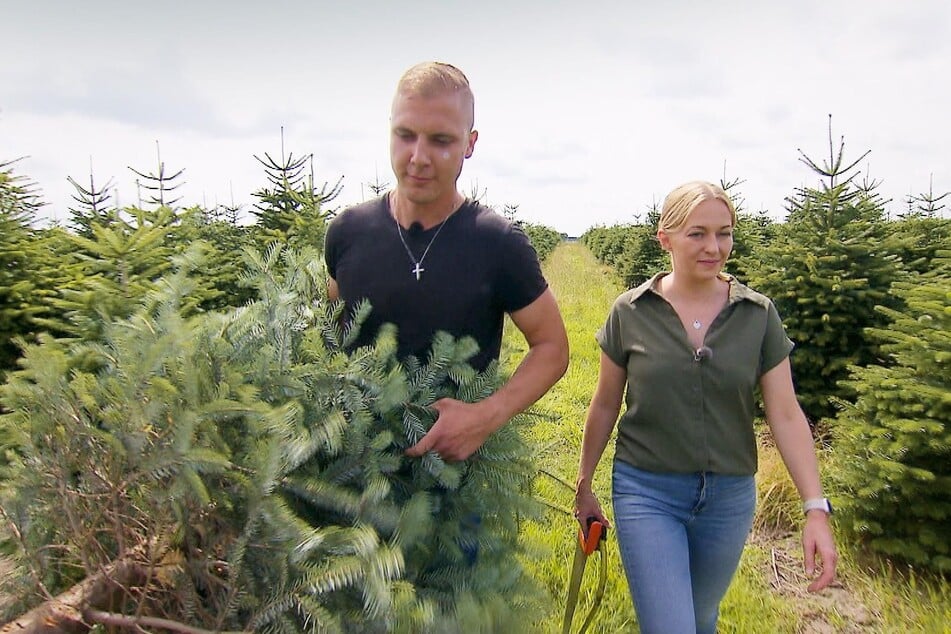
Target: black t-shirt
(478,268)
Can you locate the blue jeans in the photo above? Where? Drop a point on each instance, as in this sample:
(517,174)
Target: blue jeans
(681,536)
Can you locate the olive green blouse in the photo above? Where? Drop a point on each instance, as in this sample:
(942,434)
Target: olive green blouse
(691,410)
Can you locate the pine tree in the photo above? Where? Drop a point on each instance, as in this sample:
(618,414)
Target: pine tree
(93,207)
(259,472)
(751,233)
(117,268)
(225,241)
(292,210)
(19,201)
(544,239)
(922,231)
(928,204)
(160,185)
(607,243)
(378,187)
(893,445)
(642,256)
(829,266)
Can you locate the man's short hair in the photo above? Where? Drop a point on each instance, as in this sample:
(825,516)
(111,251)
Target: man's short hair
(429,79)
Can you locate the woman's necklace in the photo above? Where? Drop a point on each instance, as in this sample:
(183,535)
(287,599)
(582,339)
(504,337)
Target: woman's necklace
(418,264)
(697,324)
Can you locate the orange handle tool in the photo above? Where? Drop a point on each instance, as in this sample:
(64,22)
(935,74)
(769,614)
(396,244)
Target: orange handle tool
(597,532)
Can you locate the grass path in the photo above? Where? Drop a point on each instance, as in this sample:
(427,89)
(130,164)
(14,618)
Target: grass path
(768,593)
(585,291)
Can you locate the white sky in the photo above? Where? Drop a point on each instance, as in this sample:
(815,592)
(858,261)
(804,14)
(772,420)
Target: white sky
(587,111)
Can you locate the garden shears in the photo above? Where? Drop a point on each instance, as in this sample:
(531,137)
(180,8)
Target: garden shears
(587,544)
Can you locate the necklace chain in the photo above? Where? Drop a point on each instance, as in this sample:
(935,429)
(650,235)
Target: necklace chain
(418,264)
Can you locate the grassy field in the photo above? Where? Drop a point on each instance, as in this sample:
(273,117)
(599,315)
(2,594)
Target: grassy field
(768,593)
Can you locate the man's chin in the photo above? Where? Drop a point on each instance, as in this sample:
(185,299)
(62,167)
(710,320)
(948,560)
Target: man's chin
(417,195)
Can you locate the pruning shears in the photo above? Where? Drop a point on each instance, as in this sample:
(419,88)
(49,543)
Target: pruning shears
(588,542)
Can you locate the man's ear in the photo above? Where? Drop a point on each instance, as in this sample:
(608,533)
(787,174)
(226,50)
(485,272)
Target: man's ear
(473,137)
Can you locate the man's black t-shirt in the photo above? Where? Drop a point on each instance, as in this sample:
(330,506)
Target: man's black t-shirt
(478,268)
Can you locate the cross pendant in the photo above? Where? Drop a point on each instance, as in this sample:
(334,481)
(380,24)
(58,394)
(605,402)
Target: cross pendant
(418,270)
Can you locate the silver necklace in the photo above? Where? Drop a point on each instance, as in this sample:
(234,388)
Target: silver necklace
(418,264)
(697,324)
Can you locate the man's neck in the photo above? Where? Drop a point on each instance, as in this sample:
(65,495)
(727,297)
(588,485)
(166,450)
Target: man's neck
(428,215)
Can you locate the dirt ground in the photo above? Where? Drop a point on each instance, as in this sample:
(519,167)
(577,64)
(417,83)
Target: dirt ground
(5,569)
(834,610)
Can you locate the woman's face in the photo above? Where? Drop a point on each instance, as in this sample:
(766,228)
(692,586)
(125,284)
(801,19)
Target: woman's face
(700,248)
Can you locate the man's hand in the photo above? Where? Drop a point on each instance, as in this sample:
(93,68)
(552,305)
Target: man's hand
(463,427)
(458,432)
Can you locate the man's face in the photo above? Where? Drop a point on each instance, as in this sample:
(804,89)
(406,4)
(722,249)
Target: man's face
(429,139)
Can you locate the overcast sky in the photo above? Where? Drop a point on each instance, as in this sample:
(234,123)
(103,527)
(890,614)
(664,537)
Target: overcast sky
(587,111)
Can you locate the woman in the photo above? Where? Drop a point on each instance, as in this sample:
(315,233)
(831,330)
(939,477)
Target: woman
(691,346)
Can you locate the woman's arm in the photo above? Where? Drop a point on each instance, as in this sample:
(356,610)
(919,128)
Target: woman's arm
(602,416)
(793,438)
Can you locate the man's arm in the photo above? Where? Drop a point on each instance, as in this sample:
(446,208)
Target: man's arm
(463,427)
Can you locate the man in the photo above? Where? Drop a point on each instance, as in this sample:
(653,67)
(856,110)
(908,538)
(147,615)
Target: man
(429,260)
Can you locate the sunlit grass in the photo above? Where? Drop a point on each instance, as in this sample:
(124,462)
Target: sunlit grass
(585,291)
(899,598)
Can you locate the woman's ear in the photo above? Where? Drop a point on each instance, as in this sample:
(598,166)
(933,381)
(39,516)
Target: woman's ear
(664,240)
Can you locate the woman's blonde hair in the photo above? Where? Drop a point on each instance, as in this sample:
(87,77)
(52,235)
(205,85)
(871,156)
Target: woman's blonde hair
(684,199)
(429,79)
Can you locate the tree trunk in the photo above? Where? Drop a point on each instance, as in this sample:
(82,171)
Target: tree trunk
(64,612)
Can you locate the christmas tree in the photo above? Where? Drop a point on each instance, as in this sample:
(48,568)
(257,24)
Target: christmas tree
(238,470)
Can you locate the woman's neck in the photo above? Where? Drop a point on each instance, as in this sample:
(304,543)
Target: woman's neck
(673,286)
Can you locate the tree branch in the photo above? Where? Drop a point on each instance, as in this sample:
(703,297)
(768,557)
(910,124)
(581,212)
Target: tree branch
(111,618)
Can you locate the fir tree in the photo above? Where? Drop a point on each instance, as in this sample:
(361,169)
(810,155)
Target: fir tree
(927,204)
(829,266)
(225,241)
(893,445)
(922,231)
(607,243)
(118,267)
(19,201)
(159,186)
(292,210)
(751,233)
(93,207)
(642,256)
(378,187)
(544,239)
(258,472)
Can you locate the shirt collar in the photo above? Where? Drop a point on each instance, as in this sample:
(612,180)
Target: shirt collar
(738,291)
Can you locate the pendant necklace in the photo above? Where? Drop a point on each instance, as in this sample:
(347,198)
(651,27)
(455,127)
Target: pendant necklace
(418,264)
(697,325)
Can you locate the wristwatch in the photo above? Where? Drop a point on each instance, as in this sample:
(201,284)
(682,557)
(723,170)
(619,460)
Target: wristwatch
(820,504)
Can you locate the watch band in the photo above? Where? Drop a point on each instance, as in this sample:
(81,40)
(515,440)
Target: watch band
(817,504)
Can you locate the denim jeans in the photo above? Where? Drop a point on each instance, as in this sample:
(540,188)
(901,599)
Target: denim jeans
(681,537)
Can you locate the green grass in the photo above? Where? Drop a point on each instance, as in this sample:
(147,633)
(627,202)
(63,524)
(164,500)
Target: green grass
(585,292)
(768,592)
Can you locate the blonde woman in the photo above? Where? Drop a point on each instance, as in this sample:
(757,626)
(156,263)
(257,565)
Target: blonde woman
(686,350)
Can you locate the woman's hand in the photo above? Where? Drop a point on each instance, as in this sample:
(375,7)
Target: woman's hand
(586,505)
(817,540)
